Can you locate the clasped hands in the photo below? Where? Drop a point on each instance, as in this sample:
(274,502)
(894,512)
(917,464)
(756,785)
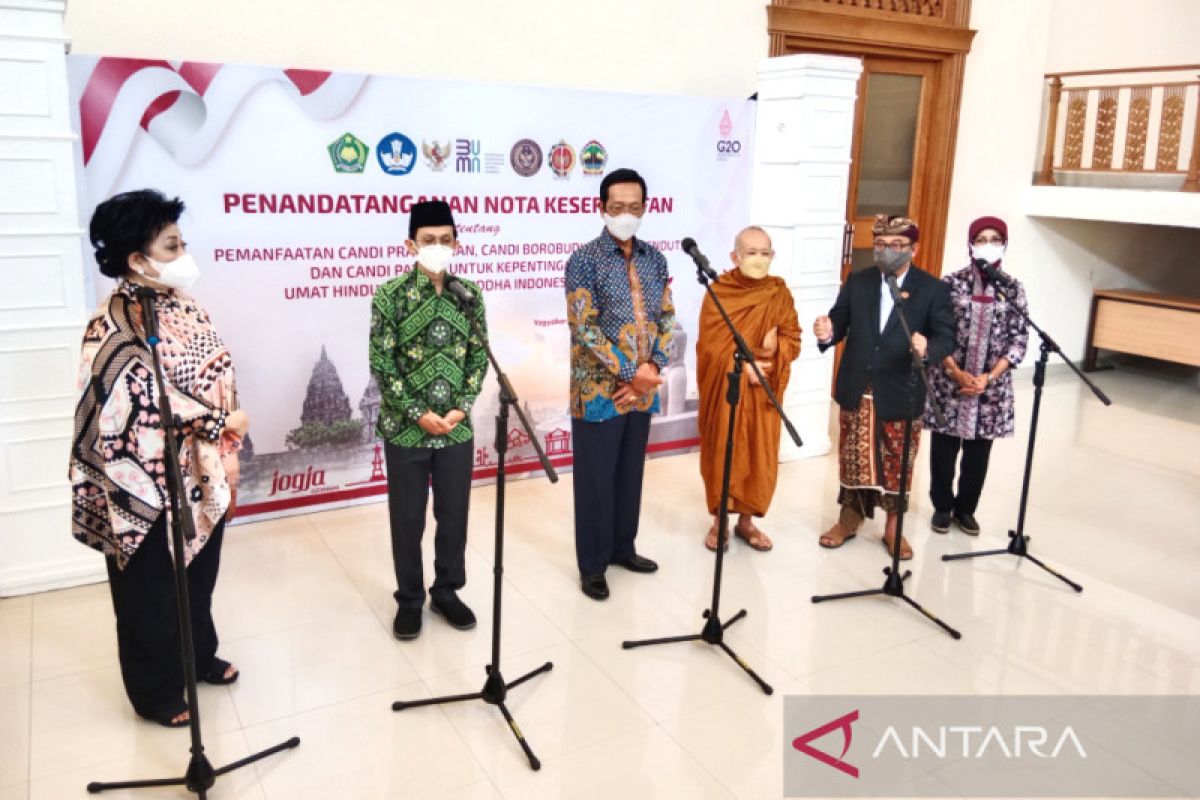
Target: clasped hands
(969,385)
(644,381)
(437,425)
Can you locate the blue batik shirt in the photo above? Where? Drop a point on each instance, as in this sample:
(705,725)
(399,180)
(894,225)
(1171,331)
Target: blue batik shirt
(620,316)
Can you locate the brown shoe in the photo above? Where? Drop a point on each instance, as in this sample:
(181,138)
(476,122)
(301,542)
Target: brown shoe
(845,529)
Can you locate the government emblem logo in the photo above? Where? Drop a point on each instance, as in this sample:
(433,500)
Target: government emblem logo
(526,157)
(436,154)
(562,159)
(396,153)
(593,157)
(348,153)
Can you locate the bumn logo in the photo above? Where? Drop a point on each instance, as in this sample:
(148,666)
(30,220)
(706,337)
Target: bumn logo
(466,155)
(842,723)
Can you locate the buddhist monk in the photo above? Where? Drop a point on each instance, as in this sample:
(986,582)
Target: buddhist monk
(764,312)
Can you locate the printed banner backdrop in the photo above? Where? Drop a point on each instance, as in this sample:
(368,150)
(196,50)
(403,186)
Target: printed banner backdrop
(298,185)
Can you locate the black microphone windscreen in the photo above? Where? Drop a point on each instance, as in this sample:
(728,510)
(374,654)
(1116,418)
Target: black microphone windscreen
(688,244)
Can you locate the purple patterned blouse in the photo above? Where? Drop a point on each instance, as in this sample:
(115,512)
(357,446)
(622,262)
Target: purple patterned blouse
(988,329)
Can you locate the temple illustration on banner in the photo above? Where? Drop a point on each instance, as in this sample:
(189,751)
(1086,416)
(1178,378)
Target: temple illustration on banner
(335,450)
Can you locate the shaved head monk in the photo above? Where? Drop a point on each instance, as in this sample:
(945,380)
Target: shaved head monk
(764,312)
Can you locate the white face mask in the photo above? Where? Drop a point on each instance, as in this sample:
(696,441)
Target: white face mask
(178,274)
(622,226)
(755,267)
(991,253)
(435,257)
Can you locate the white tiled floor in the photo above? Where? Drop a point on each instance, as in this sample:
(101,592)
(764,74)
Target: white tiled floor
(304,607)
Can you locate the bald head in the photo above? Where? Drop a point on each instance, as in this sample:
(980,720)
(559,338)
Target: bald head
(752,238)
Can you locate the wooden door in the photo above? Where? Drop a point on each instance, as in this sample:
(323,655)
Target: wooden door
(890,151)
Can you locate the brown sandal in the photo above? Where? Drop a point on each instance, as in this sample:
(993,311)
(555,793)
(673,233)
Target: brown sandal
(710,541)
(845,529)
(835,537)
(752,536)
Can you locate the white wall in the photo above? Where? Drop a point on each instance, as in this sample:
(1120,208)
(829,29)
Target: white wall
(1061,261)
(1102,34)
(707,47)
(42,307)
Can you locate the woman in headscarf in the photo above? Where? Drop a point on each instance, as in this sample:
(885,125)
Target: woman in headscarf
(973,385)
(117,470)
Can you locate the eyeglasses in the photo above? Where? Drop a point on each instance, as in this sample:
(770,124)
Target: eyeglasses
(617,209)
(993,240)
(895,247)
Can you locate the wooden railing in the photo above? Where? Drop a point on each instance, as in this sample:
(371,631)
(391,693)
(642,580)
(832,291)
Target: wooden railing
(1115,121)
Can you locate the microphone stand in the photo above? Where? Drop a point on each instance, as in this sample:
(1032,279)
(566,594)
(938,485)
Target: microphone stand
(1019,542)
(714,630)
(495,689)
(200,775)
(893,585)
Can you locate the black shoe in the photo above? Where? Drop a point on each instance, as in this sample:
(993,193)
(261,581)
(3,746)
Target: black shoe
(967,523)
(407,624)
(636,563)
(456,612)
(594,586)
(940,522)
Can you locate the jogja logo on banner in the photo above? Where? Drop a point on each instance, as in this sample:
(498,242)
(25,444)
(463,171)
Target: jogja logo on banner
(990,746)
(308,247)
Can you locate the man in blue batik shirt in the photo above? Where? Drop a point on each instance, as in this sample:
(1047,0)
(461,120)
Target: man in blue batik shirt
(620,315)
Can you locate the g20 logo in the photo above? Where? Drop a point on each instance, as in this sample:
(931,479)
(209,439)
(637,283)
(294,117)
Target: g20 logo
(729,147)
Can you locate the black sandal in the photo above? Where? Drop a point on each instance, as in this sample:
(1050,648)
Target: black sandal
(216,674)
(167,716)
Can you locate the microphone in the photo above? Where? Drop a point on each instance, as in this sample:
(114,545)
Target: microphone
(688,246)
(456,287)
(149,298)
(893,287)
(994,275)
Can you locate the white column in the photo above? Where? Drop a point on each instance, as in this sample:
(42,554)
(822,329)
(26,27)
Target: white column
(42,308)
(802,151)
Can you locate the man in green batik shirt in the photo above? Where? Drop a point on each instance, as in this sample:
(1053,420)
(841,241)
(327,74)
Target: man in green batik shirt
(429,364)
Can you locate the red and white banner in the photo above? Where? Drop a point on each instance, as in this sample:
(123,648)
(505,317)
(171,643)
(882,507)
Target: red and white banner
(298,185)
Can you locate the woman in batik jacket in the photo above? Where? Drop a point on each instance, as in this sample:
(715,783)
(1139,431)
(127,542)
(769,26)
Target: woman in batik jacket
(117,471)
(974,384)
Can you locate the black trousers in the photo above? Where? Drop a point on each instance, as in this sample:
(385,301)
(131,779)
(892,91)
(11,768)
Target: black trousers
(409,471)
(148,640)
(609,460)
(943,453)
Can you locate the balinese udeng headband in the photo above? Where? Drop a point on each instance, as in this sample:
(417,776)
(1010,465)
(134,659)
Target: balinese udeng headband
(895,226)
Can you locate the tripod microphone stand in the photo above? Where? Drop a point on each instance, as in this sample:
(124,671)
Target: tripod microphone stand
(893,585)
(495,689)
(200,775)
(714,630)
(1019,542)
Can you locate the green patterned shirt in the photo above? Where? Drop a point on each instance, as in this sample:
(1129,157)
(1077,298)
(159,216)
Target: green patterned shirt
(425,357)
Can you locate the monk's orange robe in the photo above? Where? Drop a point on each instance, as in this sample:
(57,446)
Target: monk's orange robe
(755,306)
